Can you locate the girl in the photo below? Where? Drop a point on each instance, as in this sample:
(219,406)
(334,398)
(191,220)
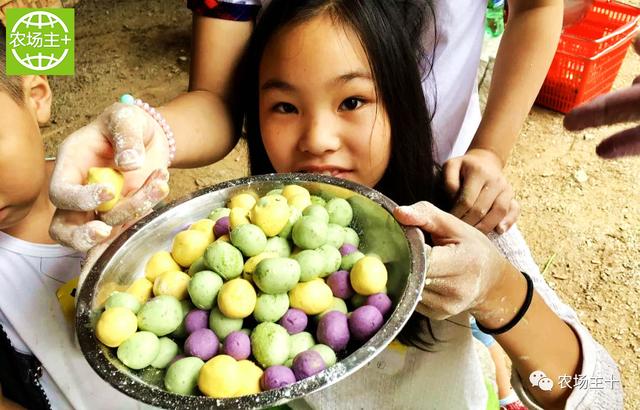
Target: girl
(326,92)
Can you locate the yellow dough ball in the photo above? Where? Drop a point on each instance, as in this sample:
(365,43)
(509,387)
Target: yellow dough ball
(220,377)
(206,226)
(271,214)
(244,200)
(238,216)
(224,238)
(252,262)
(113,179)
(300,202)
(250,375)
(368,276)
(290,191)
(188,246)
(237,298)
(116,325)
(159,263)
(173,283)
(142,289)
(311,297)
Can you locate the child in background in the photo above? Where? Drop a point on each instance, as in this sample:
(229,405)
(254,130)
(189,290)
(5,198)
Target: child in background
(41,366)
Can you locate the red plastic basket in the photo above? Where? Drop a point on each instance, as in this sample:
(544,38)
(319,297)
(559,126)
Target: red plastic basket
(589,56)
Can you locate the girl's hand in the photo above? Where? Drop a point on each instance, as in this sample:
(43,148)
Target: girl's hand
(463,265)
(124,137)
(484,198)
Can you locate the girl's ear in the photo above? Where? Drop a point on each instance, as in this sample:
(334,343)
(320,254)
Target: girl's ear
(38,96)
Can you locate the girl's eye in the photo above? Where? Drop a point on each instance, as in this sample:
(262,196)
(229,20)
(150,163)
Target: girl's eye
(351,103)
(285,108)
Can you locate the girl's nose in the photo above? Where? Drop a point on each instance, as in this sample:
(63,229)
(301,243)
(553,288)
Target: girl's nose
(320,136)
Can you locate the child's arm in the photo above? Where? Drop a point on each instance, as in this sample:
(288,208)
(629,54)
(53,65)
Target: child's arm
(484,197)
(467,273)
(201,121)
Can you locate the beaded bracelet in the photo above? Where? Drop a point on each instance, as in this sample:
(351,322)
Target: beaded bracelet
(129,99)
(523,309)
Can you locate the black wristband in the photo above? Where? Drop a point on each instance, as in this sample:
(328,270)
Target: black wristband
(518,316)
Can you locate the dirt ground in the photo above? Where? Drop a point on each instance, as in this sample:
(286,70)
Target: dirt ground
(580,215)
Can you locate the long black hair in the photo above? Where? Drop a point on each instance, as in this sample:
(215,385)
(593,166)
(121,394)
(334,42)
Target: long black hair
(390,32)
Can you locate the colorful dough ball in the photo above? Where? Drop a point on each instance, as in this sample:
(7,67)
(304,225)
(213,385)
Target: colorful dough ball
(161,315)
(270,344)
(340,284)
(309,232)
(380,301)
(188,246)
(116,325)
(182,375)
(312,264)
(332,259)
(237,345)
(349,260)
(202,343)
(203,289)
(276,275)
(271,214)
(244,200)
(142,289)
(327,353)
(340,212)
(250,376)
(173,283)
(139,350)
(249,239)
(299,343)
(275,377)
(333,330)
(294,215)
(222,226)
(218,213)
(351,237)
(279,246)
(368,276)
(224,259)
(205,226)
(112,179)
(294,320)
(159,263)
(220,377)
(307,363)
(181,330)
(123,299)
(311,297)
(237,298)
(197,266)
(195,320)
(167,353)
(335,235)
(238,217)
(270,308)
(347,249)
(337,304)
(364,322)
(223,325)
(317,211)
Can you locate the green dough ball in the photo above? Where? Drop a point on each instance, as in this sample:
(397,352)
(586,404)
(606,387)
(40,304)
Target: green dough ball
(337,304)
(203,289)
(270,344)
(125,300)
(270,308)
(351,237)
(278,245)
(182,376)
(332,259)
(316,211)
(160,315)
(222,325)
(327,353)
(340,211)
(358,300)
(299,343)
(317,200)
(224,259)
(349,260)
(312,264)
(139,350)
(276,275)
(335,235)
(168,350)
(219,213)
(309,232)
(181,331)
(249,238)
(277,191)
(197,266)
(294,215)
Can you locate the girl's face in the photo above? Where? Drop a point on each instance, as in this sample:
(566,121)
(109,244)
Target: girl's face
(319,111)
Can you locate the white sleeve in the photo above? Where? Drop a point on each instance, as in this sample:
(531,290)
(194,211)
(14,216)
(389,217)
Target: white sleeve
(597,364)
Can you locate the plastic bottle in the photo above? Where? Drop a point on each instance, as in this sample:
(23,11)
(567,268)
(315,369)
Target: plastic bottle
(494,23)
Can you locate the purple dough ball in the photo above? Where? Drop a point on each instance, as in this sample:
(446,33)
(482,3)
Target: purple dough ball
(294,320)
(222,226)
(364,322)
(333,330)
(202,343)
(381,302)
(347,248)
(237,345)
(195,320)
(340,284)
(307,363)
(275,377)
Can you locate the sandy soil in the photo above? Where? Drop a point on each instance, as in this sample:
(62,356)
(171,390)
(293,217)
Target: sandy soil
(585,229)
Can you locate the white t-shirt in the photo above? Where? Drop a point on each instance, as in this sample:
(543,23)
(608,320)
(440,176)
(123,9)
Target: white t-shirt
(30,275)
